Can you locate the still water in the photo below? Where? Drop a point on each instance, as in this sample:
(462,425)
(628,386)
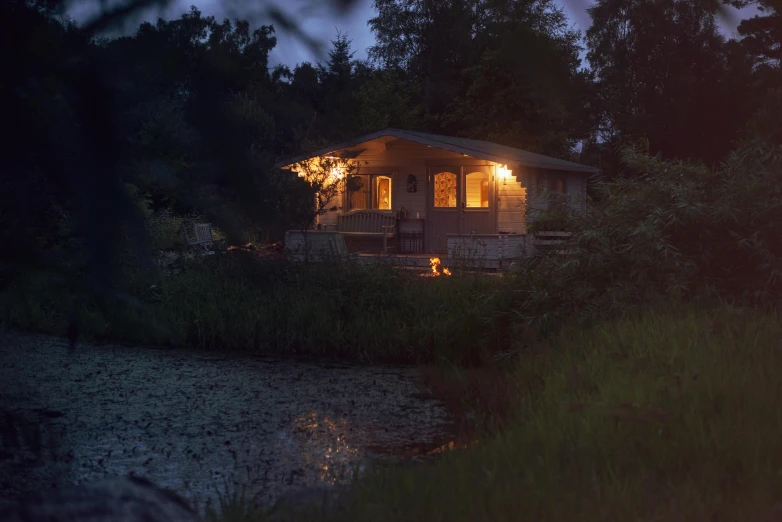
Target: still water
(202,423)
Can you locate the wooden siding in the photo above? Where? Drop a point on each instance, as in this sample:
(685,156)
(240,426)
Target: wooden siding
(486,250)
(515,246)
(512,207)
(400,159)
(314,245)
(538,180)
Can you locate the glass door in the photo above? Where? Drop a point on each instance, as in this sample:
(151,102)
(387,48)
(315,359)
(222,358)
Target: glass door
(444,211)
(479,203)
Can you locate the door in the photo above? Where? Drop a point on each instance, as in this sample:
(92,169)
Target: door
(443,215)
(479,204)
(461,201)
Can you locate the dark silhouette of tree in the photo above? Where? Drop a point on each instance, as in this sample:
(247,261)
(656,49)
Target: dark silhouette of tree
(762,34)
(187,110)
(665,74)
(499,70)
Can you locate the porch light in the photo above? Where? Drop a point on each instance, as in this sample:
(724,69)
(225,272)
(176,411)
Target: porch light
(337,173)
(504,173)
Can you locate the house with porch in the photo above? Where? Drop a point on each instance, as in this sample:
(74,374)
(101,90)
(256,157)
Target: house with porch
(409,195)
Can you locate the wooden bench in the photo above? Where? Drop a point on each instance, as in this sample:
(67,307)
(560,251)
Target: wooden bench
(368,223)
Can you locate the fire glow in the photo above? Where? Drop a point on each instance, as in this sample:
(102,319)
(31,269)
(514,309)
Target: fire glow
(437,268)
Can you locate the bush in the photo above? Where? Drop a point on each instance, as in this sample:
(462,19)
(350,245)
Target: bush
(677,230)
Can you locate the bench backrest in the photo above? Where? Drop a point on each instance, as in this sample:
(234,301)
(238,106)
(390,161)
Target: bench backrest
(203,232)
(371,221)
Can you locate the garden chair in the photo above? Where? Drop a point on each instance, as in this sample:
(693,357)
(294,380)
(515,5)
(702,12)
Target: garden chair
(201,239)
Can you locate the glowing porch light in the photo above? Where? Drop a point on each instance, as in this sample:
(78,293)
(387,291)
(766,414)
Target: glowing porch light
(504,173)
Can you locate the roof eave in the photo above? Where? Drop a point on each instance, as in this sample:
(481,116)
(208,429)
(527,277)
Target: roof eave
(400,134)
(332,148)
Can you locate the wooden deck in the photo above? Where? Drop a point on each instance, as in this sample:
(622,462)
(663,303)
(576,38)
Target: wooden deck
(422,261)
(473,252)
(412,260)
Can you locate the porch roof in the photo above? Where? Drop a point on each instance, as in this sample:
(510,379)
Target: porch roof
(476,148)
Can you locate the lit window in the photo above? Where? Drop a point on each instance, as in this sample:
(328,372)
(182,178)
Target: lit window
(367,191)
(445,190)
(476,187)
(382,196)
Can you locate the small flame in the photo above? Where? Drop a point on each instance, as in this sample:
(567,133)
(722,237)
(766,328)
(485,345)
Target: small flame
(435,263)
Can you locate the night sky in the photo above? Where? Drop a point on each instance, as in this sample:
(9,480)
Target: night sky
(323,23)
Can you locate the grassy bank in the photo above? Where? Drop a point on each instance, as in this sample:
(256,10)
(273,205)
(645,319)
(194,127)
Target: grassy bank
(670,416)
(231,301)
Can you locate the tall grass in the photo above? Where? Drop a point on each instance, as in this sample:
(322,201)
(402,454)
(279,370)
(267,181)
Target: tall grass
(364,313)
(669,416)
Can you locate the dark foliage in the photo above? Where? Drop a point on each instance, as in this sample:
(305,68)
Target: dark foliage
(189,116)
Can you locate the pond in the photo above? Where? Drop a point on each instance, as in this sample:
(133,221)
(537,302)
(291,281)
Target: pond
(199,423)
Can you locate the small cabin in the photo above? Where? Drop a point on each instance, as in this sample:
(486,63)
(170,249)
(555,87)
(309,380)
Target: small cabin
(405,193)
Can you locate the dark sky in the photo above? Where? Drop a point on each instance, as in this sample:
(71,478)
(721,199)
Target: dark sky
(323,24)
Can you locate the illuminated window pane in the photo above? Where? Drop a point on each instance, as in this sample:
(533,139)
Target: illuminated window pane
(382,199)
(445,190)
(476,187)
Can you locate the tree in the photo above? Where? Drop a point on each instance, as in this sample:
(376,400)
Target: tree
(337,84)
(762,34)
(327,176)
(664,73)
(193,96)
(500,70)
(384,98)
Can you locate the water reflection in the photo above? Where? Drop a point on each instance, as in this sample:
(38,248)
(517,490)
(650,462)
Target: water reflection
(200,423)
(325,446)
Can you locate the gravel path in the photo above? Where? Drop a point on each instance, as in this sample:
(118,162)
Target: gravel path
(197,422)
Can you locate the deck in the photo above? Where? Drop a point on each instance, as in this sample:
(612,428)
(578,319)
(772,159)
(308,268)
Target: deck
(474,251)
(423,261)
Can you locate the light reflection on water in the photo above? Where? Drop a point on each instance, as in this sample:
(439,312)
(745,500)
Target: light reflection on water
(198,423)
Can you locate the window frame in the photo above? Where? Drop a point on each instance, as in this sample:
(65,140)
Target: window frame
(371,192)
(488,180)
(456,191)
(557,199)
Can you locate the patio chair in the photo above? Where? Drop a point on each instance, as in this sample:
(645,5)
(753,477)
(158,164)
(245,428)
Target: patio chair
(201,239)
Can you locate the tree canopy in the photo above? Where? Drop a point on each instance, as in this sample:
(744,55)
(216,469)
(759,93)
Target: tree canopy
(191,114)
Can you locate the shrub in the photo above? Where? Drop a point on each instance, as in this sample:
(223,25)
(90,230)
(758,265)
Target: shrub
(677,230)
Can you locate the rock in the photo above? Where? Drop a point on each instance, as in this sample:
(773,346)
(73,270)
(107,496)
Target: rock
(130,499)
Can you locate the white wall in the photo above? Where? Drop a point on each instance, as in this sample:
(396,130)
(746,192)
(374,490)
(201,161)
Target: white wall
(512,206)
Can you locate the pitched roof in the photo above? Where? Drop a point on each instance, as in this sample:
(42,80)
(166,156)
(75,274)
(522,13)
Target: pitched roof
(475,148)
